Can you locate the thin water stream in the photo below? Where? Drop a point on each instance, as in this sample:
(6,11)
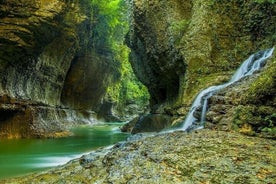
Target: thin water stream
(254,63)
(22,156)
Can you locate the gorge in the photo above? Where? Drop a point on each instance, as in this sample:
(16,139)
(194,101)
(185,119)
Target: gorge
(69,63)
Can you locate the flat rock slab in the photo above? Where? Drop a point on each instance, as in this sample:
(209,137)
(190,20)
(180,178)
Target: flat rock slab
(203,156)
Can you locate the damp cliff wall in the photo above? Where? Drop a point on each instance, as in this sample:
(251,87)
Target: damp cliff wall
(180,47)
(51,73)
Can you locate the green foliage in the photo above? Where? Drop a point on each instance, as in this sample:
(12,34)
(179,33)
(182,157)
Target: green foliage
(179,25)
(128,90)
(110,27)
(253,119)
(271,120)
(246,115)
(265,1)
(178,28)
(110,22)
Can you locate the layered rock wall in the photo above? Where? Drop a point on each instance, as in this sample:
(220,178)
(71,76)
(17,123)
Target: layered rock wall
(48,61)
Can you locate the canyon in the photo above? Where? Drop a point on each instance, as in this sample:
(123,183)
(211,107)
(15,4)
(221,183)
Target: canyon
(59,69)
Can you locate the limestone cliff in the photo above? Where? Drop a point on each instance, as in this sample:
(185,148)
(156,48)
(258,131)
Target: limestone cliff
(181,47)
(51,73)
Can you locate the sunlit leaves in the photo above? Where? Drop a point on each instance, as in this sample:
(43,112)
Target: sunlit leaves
(109,30)
(110,18)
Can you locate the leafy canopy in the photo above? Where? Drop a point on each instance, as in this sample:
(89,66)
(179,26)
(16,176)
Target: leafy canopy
(111,24)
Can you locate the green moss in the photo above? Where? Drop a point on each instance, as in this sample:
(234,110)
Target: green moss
(252,119)
(178,28)
(198,82)
(263,89)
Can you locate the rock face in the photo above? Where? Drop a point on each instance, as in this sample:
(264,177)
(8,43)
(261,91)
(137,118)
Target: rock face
(49,67)
(154,58)
(179,48)
(148,123)
(248,107)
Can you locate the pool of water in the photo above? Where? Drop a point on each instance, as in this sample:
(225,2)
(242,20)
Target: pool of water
(22,156)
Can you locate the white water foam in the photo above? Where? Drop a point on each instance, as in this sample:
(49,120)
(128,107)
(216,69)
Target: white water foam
(53,161)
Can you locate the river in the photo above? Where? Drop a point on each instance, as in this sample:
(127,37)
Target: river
(23,156)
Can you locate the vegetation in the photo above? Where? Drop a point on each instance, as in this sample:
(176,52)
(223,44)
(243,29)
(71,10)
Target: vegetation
(257,114)
(178,28)
(263,89)
(109,24)
(128,89)
(263,1)
(110,27)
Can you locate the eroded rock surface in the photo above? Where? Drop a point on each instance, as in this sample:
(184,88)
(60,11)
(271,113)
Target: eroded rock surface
(200,157)
(48,61)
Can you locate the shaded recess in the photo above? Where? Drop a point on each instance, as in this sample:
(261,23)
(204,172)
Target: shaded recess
(7,114)
(159,70)
(87,80)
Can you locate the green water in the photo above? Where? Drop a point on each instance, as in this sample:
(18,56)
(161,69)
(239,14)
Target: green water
(19,157)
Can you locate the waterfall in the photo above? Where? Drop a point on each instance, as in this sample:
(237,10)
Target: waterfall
(249,66)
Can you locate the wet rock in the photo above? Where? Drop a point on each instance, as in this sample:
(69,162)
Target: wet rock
(87,79)
(25,119)
(129,126)
(179,48)
(197,113)
(178,157)
(242,112)
(106,112)
(152,123)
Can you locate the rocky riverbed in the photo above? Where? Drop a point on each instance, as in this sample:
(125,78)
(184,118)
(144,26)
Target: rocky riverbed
(203,156)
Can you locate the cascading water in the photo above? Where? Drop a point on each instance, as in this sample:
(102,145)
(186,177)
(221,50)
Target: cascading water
(249,66)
